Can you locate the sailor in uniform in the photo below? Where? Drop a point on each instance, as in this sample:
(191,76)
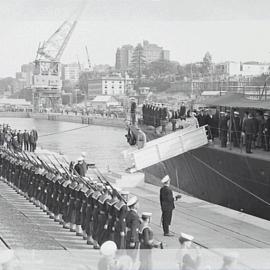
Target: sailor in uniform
(103,216)
(109,226)
(184,259)
(88,222)
(167,205)
(95,197)
(223,129)
(266,132)
(121,211)
(146,238)
(141,138)
(133,222)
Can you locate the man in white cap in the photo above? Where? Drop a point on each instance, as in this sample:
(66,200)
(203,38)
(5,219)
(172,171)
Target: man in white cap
(79,167)
(185,261)
(84,164)
(132,223)
(167,204)
(107,261)
(236,129)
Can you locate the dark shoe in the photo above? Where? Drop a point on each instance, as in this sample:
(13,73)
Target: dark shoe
(168,234)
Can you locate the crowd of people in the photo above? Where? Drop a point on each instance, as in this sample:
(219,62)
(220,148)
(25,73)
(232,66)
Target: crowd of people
(250,128)
(105,217)
(92,208)
(17,139)
(242,128)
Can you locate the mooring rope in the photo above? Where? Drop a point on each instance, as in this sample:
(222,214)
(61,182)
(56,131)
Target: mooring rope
(64,131)
(230,180)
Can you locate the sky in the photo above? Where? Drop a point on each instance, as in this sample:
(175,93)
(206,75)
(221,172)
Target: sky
(228,29)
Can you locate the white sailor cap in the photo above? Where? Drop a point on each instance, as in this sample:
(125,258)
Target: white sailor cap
(133,200)
(80,158)
(222,112)
(266,114)
(235,112)
(99,185)
(146,214)
(185,237)
(83,154)
(124,192)
(165,179)
(108,248)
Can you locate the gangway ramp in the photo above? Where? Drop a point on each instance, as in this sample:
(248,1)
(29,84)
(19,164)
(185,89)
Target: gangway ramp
(166,147)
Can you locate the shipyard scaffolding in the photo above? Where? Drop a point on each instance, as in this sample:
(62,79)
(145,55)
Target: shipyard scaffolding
(47,82)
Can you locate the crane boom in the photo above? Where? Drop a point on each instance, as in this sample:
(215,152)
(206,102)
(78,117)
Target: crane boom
(47,81)
(88,59)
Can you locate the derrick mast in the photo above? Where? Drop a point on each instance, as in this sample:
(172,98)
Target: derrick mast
(47,83)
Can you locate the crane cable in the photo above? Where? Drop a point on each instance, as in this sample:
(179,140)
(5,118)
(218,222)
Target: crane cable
(64,131)
(229,180)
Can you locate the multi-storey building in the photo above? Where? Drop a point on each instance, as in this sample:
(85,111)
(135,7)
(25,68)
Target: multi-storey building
(110,85)
(123,57)
(151,52)
(71,72)
(247,69)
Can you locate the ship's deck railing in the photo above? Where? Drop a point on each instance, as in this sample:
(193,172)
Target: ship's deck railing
(258,147)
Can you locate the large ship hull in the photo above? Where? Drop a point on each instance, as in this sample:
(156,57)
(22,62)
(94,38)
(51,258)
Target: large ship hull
(235,180)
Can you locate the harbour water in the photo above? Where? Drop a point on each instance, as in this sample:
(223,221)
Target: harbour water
(103,145)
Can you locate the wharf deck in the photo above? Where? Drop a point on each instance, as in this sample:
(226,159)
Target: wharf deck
(213,226)
(41,243)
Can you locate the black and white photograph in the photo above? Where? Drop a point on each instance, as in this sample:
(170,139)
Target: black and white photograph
(134,135)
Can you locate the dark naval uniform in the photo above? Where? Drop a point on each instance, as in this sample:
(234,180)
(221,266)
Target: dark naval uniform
(121,211)
(167,206)
(250,130)
(223,130)
(146,237)
(266,131)
(133,222)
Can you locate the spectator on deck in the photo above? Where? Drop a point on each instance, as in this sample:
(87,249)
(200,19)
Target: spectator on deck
(79,167)
(223,129)
(249,129)
(133,111)
(26,140)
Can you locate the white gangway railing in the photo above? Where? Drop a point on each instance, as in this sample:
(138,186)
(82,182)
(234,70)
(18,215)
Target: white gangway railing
(166,147)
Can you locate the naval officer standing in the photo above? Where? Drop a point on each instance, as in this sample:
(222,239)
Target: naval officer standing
(167,204)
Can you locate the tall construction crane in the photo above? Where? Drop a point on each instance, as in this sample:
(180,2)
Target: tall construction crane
(47,81)
(88,60)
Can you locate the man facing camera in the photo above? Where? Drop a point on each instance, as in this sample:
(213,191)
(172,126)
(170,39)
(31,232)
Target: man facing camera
(167,204)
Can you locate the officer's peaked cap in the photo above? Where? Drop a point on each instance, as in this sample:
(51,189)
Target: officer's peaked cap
(124,192)
(165,179)
(146,214)
(132,201)
(185,237)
